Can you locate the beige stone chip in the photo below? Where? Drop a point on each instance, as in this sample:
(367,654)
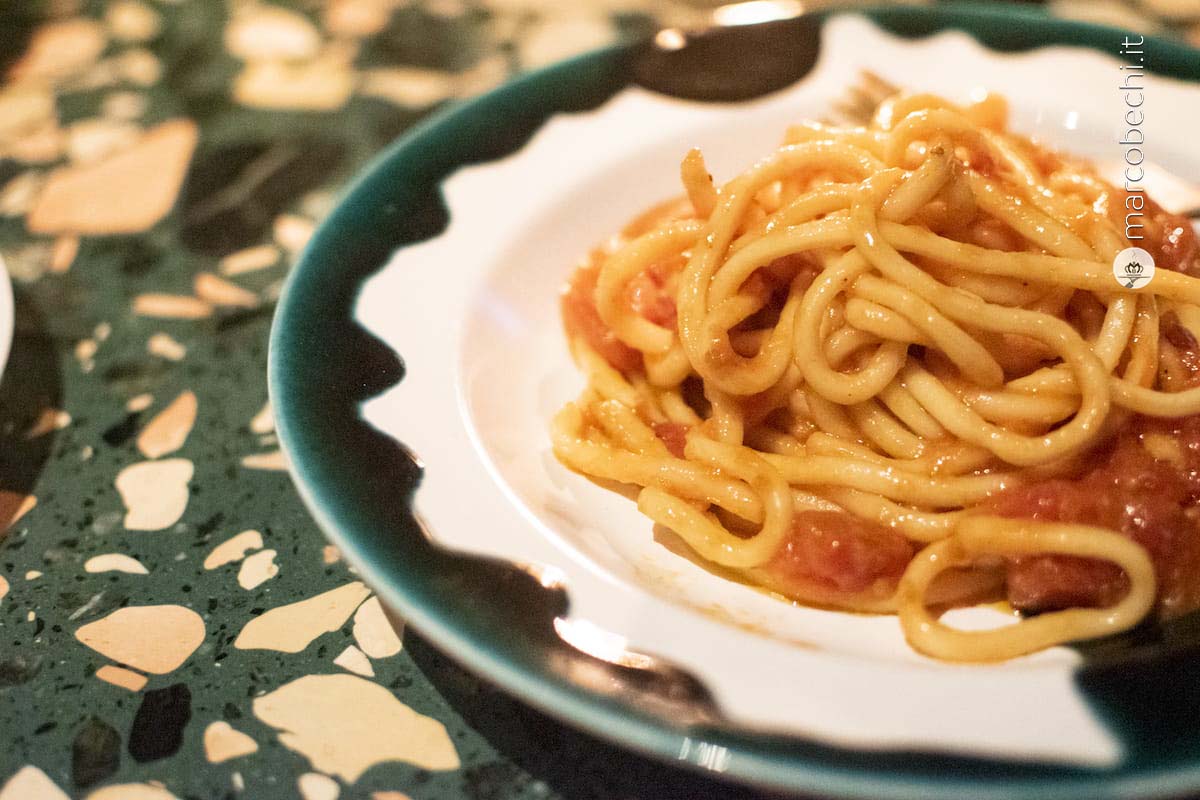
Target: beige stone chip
(154,639)
(119,676)
(345,725)
(291,628)
(169,429)
(155,493)
(125,193)
(233,549)
(223,742)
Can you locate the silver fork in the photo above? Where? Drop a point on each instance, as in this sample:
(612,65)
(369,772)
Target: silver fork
(858,104)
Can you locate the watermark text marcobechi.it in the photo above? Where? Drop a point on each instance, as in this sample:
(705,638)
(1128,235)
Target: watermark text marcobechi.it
(1133,142)
(1134,267)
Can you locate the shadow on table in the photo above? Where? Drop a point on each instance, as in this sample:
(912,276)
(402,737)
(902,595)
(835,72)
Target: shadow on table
(573,764)
(31,384)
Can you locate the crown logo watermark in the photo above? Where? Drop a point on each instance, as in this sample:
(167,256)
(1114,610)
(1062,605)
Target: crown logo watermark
(1133,268)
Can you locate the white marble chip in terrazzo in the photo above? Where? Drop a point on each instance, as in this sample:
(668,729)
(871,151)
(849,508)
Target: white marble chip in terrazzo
(24,110)
(85,353)
(132,21)
(323,84)
(63,253)
(274,460)
(124,105)
(234,549)
(115,562)
(250,259)
(119,676)
(359,18)
(220,292)
(223,742)
(60,50)
(139,402)
(171,306)
(156,164)
(18,195)
(257,569)
(154,639)
(264,421)
(292,232)
(269,32)
(169,429)
(165,346)
(30,783)
(412,87)
(155,493)
(344,725)
(315,786)
(139,66)
(353,660)
(91,140)
(291,628)
(373,632)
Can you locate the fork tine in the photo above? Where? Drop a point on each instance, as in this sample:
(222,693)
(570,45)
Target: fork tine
(879,86)
(857,106)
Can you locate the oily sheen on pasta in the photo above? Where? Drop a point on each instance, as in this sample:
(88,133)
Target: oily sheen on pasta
(888,369)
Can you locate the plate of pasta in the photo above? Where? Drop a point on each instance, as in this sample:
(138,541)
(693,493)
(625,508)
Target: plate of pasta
(881,426)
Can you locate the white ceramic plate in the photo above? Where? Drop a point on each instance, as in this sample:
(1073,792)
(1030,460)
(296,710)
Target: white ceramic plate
(7,315)
(473,314)
(488,367)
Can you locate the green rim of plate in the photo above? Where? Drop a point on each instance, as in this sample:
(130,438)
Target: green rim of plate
(359,486)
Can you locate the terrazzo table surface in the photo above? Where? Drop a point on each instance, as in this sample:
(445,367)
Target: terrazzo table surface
(172,622)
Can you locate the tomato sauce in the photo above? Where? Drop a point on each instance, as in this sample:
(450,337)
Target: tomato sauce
(581,319)
(1168,237)
(1145,485)
(839,551)
(673,435)
(648,296)
(1171,239)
